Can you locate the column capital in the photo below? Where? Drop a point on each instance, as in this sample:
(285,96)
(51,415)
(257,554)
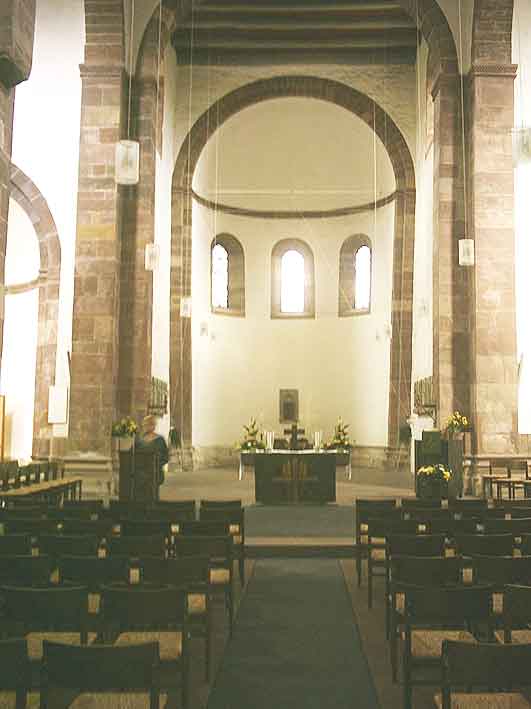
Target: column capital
(104,71)
(507,71)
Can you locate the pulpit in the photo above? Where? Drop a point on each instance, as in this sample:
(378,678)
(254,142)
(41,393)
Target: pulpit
(138,481)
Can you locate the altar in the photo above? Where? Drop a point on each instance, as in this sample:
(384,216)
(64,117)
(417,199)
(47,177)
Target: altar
(295,476)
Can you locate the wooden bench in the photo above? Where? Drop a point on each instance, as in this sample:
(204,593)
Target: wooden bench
(69,488)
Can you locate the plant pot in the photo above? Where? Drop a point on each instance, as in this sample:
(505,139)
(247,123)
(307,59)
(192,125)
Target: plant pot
(432,489)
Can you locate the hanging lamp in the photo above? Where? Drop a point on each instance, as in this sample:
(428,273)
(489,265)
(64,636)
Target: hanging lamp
(127,154)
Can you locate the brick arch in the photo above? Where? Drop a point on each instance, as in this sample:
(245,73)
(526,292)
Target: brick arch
(27,195)
(180,287)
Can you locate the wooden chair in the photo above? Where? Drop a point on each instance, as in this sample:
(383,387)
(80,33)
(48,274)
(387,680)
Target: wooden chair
(14,671)
(426,514)
(411,503)
(516,614)
(473,506)
(452,527)
(100,669)
(149,528)
(431,616)
(486,544)
(494,672)
(56,613)
(516,527)
(29,509)
(220,504)
(378,531)
(29,525)
(219,550)
(525,544)
(121,510)
(154,545)
(416,571)
(209,528)
(138,613)
(365,509)
(25,570)
(235,516)
(82,507)
(100,528)
(15,544)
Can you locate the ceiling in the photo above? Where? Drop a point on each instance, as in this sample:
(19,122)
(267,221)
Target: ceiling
(300,31)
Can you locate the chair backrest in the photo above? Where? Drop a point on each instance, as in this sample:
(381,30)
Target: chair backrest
(516,606)
(25,570)
(517,512)
(15,544)
(501,570)
(133,510)
(525,544)
(450,606)
(77,545)
(75,506)
(142,607)
(490,666)
(366,509)
(97,668)
(210,547)
(489,544)
(220,504)
(451,527)
(24,511)
(14,665)
(100,528)
(55,607)
(415,545)
(433,571)
(475,506)
(93,572)
(426,514)
(381,527)
(143,527)
(153,545)
(180,572)
(172,509)
(29,525)
(235,516)
(517,526)
(410,503)
(210,528)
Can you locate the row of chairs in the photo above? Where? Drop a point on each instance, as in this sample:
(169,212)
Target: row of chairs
(128,615)
(14,476)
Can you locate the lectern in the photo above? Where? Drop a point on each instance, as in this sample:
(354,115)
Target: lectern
(138,480)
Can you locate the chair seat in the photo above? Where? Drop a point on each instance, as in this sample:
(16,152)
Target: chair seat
(485,701)
(378,554)
(428,643)
(196,604)
(35,641)
(517,636)
(170,642)
(219,577)
(112,701)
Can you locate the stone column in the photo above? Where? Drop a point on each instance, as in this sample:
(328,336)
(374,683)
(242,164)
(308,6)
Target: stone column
(494,397)
(17,26)
(451,343)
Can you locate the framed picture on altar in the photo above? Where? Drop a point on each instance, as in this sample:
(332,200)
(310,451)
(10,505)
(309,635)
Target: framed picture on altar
(289,405)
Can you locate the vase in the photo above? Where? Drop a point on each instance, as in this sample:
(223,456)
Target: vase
(432,489)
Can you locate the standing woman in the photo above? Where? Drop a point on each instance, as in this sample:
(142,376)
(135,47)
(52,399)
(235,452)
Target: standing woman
(154,441)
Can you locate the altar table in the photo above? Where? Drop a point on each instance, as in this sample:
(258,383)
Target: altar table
(295,477)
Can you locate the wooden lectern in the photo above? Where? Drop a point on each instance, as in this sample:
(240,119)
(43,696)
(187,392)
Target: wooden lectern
(138,481)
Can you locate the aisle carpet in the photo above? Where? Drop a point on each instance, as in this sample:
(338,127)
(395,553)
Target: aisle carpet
(299,521)
(295,644)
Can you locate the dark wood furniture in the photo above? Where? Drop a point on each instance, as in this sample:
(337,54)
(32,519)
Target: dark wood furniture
(295,477)
(139,473)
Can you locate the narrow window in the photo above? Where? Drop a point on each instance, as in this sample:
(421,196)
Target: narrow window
(292,282)
(220,277)
(362,278)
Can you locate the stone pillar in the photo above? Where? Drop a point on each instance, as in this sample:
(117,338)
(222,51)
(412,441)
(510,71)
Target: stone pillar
(95,337)
(17,27)
(494,401)
(451,327)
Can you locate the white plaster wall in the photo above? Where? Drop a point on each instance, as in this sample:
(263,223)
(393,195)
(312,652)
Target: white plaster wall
(422,365)
(522,57)
(160,362)
(339,365)
(46,138)
(19,354)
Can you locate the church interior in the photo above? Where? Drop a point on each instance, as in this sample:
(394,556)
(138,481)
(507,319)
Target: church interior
(265,377)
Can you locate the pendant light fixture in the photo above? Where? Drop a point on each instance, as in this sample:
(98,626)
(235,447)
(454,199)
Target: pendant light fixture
(127,155)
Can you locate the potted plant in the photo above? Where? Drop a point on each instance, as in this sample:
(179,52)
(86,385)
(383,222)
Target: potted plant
(456,424)
(124,430)
(340,442)
(253,440)
(432,481)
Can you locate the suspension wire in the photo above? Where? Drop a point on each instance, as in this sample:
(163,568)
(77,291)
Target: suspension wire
(463,138)
(159,60)
(130,68)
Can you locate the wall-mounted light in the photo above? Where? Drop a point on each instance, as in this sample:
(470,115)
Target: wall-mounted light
(151,257)
(521,146)
(466,252)
(127,162)
(186,307)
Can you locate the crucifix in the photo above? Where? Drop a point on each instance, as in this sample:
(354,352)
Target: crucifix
(294,432)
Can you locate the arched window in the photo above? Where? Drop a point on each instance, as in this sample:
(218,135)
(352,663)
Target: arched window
(292,280)
(220,277)
(227,276)
(355,276)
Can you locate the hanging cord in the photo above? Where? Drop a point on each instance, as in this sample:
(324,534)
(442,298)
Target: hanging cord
(463,138)
(130,68)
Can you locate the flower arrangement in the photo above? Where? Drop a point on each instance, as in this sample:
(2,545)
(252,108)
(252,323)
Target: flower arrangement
(253,438)
(434,473)
(341,436)
(125,427)
(456,422)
